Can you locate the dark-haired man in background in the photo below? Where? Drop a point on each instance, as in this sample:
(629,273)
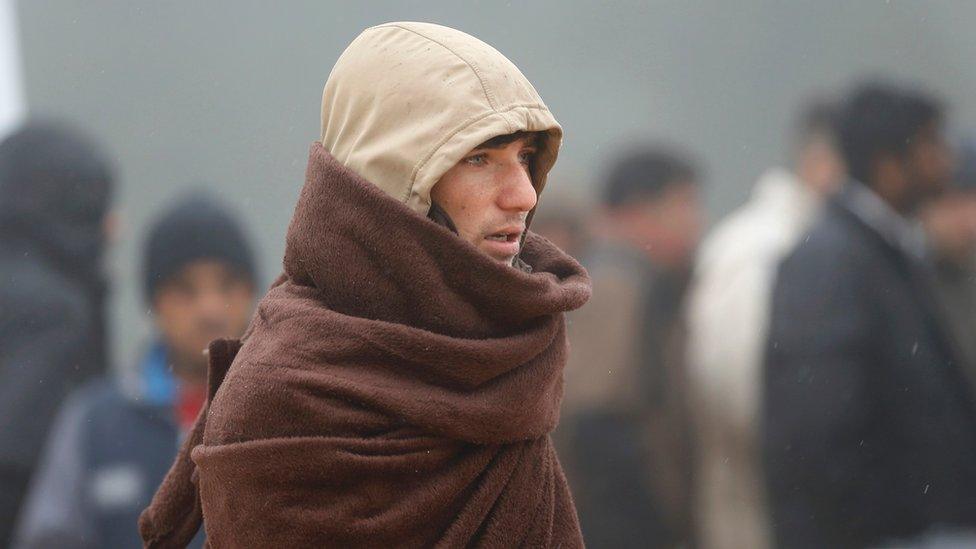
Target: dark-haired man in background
(727,316)
(624,431)
(870,424)
(55,190)
(114,441)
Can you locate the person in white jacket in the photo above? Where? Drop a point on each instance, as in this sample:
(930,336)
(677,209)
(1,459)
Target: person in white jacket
(727,318)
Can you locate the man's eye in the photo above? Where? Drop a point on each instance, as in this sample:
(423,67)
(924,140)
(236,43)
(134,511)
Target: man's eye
(476,159)
(526,157)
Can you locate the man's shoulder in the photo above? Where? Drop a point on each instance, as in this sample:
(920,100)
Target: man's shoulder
(97,396)
(834,242)
(829,278)
(87,408)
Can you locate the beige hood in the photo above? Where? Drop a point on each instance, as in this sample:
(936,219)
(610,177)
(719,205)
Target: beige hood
(406,101)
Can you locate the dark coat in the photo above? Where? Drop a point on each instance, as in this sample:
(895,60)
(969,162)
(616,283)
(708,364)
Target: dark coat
(47,328)
(50,330)
(869,422)
(48,345)
(621,432)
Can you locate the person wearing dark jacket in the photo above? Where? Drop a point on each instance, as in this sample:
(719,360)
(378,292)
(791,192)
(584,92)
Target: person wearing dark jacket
(869,432)
(55,190)
(625,429)
(114,440)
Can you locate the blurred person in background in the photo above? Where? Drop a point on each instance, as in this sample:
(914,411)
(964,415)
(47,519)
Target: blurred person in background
(564,221)
(950,223)
(55,190)
(114,440)
(624,432)
(728,314)
(869,422)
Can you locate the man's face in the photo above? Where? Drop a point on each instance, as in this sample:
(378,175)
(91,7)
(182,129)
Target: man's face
(667,227)
(820,166)
(488,195)
(929,163)
(206,300)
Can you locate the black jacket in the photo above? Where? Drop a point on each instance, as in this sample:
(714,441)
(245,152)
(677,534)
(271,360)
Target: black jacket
(869,428)
(51,340)
(55,187)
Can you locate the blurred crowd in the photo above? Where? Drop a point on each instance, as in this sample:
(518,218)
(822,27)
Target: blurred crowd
(803,374)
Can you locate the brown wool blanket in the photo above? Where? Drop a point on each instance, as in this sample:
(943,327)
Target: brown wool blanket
(395,388)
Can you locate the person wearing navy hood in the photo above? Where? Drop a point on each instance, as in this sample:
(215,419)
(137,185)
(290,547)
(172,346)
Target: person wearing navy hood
(868,416)
(55,190)
(114,441)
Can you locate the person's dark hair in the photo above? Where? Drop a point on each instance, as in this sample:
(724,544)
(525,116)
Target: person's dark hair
(882,119)
(503,140)
(196,227)
(646,174)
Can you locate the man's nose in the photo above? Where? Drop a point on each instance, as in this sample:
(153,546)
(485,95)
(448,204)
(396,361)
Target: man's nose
(517,191)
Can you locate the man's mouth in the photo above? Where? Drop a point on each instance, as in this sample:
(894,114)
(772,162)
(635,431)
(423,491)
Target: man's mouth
(504,244)
(510,233)
(504,237)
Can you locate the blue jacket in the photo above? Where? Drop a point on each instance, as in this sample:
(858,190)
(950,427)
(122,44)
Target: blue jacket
(105,457)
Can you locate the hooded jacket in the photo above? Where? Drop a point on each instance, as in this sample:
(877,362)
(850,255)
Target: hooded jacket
(395,387)
(55,188)
(406,101)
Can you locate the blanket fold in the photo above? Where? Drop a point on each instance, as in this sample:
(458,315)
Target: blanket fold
(396,387)
(175,516)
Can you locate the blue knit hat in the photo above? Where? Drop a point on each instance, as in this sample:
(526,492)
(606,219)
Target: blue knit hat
(196,227)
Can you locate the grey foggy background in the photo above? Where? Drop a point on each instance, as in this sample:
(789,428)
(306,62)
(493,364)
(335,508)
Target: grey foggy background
(226,93)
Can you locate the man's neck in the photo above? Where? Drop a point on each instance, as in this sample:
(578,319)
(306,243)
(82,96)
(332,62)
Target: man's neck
(879,214)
